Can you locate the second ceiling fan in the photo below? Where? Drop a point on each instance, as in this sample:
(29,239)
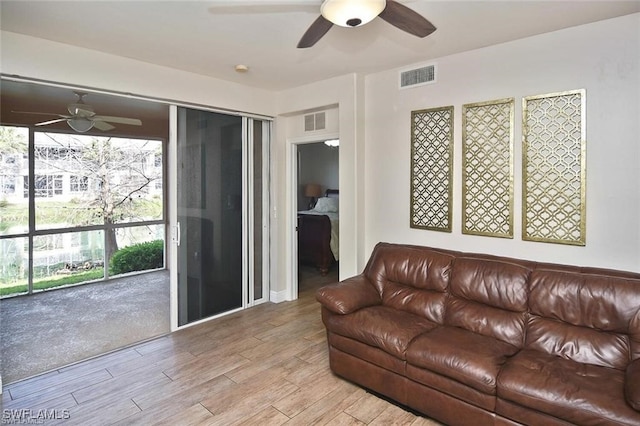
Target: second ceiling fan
(354,13)
(83,118)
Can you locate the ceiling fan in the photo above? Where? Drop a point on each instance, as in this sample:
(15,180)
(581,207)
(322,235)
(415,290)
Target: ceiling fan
(83,118)
(345,13)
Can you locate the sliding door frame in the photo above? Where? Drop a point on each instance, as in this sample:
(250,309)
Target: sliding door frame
(249,207)
(248,216)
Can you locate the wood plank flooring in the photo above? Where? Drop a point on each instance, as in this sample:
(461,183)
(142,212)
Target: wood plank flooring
(267,365)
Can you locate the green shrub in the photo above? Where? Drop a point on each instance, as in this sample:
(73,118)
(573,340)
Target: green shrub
(138,257)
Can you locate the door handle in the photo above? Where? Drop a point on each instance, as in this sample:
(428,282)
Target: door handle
(175,234)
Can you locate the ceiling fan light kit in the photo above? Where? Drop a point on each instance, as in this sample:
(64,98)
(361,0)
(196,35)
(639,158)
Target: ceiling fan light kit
(351,13)
(80,124)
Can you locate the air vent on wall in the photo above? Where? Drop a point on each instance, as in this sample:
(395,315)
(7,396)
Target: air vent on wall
(315,121)
(418,76)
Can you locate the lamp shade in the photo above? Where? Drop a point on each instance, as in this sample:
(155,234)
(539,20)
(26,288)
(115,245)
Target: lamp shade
(312,190)
(352,13)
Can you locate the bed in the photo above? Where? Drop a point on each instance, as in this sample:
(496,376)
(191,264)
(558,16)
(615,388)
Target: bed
(318,233)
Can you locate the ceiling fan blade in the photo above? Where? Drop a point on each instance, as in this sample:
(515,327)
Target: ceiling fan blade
(102,125)
(315,32)
(406,19)
(46,123)
(119,120)
(39,113)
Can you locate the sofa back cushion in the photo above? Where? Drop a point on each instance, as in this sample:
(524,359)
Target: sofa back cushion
(411,279)
(587,318)
(489,297)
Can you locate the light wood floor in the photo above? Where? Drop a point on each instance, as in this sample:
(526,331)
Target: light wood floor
(267,365)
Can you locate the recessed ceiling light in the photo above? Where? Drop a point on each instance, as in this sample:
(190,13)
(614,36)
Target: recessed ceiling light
(241,68)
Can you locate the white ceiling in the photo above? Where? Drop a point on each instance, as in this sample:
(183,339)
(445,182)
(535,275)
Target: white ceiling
(211,37)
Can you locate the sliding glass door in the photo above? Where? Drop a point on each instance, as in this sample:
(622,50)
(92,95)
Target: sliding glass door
(218,230)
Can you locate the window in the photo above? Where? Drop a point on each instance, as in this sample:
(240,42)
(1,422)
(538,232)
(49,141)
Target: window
(53,153)
(48,186)
(79,183)
(92,195)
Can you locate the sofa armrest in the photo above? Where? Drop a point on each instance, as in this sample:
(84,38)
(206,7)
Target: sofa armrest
(349,295)
(632,384)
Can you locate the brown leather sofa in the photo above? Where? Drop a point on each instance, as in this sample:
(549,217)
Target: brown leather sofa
(472,339)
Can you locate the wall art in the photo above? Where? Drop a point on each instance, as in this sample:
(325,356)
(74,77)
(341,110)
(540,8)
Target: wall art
(487,168)
(431,168)
(553,163)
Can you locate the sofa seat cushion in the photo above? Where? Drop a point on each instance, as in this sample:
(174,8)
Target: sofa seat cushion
(576,392)
(382,327)
(462,355)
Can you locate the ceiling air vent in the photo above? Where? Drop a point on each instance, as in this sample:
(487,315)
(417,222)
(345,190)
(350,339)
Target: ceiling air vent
(418,76)
(315,121)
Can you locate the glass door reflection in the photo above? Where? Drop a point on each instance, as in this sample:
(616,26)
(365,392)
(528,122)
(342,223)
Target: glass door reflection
(210,217)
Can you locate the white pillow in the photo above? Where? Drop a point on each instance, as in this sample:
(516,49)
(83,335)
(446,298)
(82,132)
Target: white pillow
(326,205)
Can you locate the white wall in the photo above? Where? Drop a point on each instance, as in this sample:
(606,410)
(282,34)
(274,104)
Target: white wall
(36,58)
(602,58)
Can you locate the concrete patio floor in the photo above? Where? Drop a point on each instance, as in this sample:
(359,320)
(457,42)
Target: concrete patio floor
(55,328)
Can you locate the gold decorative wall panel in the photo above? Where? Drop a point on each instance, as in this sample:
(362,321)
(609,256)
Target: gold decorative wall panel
(431,168)
(553,163)
(487,168)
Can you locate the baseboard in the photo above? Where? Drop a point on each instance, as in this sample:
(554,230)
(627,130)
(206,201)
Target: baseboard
(278,296)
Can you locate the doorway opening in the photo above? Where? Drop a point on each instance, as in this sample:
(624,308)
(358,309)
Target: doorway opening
(317,212)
